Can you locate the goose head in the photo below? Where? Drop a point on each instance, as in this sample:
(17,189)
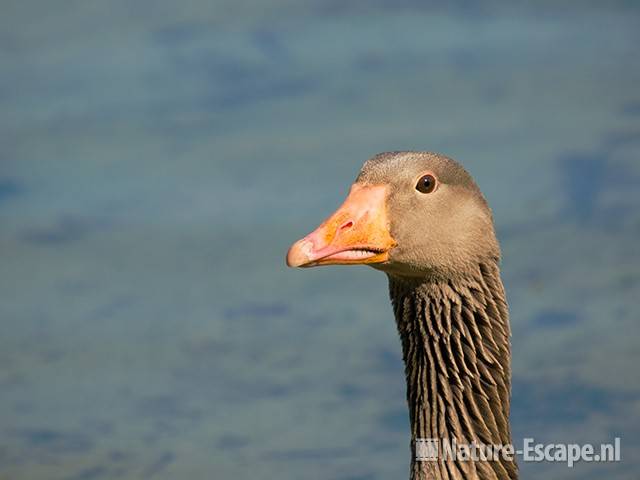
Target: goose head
(410,214)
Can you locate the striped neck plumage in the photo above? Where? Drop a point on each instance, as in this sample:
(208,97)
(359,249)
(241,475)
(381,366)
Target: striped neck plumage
(456,348)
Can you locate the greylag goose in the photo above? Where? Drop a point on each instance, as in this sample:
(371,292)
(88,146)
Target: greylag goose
(421,219)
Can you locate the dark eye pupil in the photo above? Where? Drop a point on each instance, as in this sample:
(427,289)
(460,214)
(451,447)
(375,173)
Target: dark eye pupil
(426,184)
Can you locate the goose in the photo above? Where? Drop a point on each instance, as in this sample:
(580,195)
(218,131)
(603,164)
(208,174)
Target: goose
(420,218)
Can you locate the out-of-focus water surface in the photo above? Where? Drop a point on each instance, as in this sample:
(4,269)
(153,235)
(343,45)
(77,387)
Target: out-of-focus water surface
(157,159)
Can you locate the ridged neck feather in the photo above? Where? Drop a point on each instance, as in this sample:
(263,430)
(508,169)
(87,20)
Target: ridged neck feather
(455,342)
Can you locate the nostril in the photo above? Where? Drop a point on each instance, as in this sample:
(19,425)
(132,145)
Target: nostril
(346,225)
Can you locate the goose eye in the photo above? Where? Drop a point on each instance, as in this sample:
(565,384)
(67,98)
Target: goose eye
(426,184)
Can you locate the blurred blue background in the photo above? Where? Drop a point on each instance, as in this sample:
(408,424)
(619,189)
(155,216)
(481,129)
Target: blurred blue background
(158,158)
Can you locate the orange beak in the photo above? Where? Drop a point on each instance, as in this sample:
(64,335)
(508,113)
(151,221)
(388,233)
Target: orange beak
(357,233)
